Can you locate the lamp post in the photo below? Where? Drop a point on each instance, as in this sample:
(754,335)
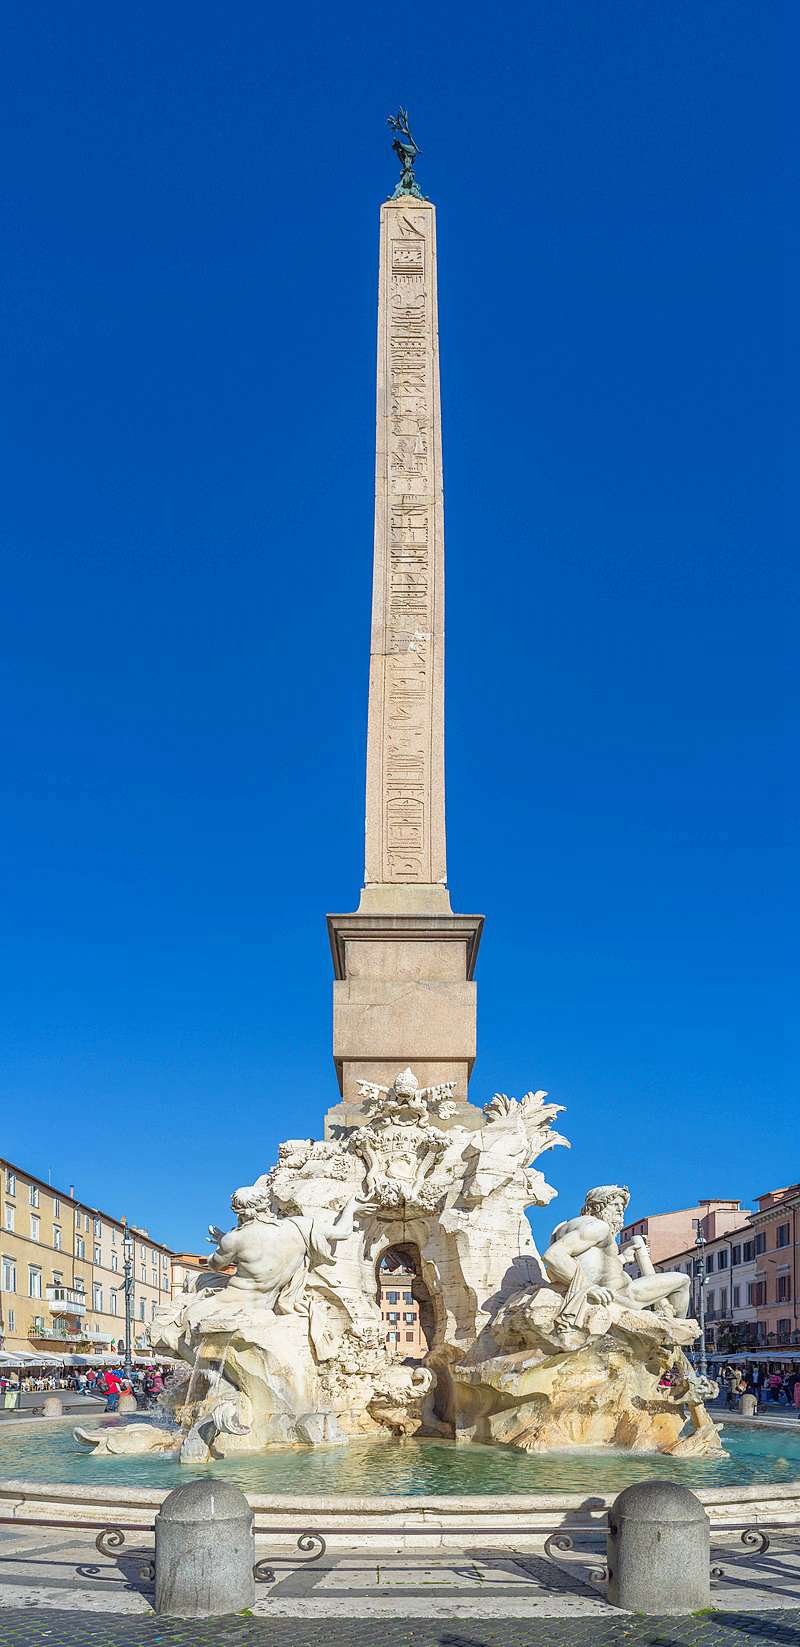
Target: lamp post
(127,1270)
(700,1270)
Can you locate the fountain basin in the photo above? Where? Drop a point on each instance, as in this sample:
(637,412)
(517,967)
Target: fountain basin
(490,1493)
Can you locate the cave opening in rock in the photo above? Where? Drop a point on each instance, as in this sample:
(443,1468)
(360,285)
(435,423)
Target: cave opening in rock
(405,1303)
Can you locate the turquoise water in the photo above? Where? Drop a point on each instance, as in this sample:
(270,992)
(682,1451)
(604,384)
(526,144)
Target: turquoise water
(412,1468)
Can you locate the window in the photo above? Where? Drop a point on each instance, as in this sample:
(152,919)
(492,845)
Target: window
(722,1260)
(784,1291)
(409,1316)
(98,1256)
(784,1327)
(98,1227)
(114,1261)
(97,1298)
(709,1263)
(408,1297)
(782,1237)
(153,1310)
(141,1309)
(748,1251)
(9,1275)
(9,1217)
(723,1301)
(33,1194)
(761,1242)
(80,1247)
(56,1238)
(409,1337)
(143,1270)
(57,1278)
(114,1302)
(736,1257)
(56,1207)
(34,1227)
(11,1182)
(393,1298)
(12,1320)
(737,1294)
(756,1293)
(393,1316)
(711,1300)
(113,1237)
(37,1327)
(34,1282)
(393,1337)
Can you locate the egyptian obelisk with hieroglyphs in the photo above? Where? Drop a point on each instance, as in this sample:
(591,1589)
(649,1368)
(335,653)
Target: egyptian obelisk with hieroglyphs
(404,963)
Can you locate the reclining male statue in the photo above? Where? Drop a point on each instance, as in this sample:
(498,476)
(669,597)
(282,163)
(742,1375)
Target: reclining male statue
(588,1292)
(584,1260)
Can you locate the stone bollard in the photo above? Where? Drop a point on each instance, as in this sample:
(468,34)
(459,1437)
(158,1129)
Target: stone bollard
(658,1550)
(748,1404)
(53,1406)
(205,1551)
(127,1403)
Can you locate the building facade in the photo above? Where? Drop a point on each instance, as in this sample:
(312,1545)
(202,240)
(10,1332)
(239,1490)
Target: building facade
(750,1278)
(674,1232)
(61,1271)
(186,1269)
(776,1234)
(400,1314)
(725,1269)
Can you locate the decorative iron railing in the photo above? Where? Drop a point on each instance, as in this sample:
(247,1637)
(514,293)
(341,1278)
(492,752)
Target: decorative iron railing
(559,1540)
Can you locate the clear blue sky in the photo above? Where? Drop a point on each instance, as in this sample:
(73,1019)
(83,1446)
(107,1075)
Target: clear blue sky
(189,346)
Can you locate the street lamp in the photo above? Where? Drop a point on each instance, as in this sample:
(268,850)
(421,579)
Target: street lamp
(700,1271)
(127,1270)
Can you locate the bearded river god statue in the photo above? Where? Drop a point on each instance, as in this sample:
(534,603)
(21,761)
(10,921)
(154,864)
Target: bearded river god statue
(591,1355)
(282,1340)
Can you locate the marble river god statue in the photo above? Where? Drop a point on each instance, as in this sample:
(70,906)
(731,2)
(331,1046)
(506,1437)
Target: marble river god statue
(282,1342)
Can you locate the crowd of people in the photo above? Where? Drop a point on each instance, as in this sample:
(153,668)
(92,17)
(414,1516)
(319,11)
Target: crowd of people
(145,1383)
(752,1388)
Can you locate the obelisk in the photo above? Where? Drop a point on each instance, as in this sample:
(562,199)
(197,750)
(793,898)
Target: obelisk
(403,964)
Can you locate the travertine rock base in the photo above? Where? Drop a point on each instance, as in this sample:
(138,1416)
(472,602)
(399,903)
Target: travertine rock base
(605,1395)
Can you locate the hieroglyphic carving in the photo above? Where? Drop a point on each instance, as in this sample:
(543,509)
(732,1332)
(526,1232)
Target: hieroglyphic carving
(410,532)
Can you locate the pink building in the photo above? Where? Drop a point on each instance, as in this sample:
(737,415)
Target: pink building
(673,1232)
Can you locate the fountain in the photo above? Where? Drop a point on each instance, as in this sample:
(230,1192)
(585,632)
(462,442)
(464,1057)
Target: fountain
(532,1352)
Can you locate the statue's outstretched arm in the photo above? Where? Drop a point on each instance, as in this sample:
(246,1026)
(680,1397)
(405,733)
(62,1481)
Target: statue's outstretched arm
(225,1253)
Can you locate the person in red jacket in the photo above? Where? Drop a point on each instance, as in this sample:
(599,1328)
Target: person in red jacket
(113,1388)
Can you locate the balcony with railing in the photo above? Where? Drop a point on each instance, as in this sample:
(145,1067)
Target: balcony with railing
(66,1300)
(59,1332)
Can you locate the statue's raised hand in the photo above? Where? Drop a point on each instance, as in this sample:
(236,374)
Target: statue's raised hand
(215,1234)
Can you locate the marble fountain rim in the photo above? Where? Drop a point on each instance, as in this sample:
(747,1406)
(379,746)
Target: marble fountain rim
(304,1508)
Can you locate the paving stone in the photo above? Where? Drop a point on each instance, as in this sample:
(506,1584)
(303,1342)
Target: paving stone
(28,1627)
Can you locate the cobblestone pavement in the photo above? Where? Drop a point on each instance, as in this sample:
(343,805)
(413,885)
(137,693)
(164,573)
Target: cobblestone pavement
(23,1627)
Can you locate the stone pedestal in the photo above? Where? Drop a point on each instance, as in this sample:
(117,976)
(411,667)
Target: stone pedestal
(403,994)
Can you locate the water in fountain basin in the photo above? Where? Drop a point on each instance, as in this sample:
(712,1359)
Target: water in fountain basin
(48,1452)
